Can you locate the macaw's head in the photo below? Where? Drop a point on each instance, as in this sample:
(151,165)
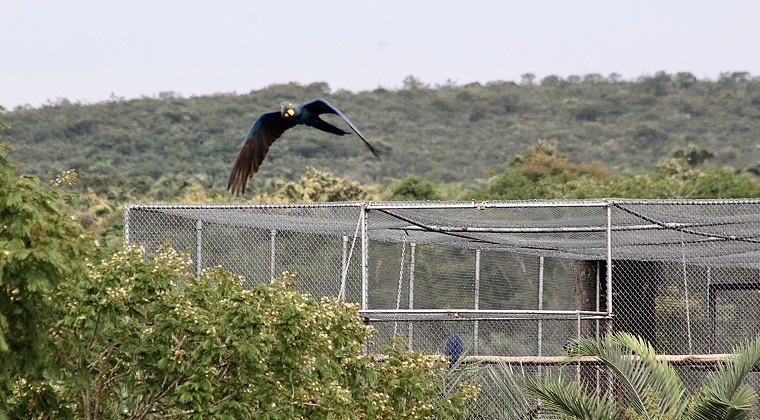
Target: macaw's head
(287,109)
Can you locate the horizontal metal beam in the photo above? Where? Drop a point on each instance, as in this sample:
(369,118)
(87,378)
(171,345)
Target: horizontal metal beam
(485,205)
(382,315)
(675,359)
(569,229)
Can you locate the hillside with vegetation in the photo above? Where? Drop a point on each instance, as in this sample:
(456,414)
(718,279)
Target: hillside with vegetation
(126,342)
(445,134)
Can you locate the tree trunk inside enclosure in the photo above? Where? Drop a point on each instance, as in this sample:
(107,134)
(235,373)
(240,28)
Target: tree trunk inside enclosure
(585,292)
(585,272)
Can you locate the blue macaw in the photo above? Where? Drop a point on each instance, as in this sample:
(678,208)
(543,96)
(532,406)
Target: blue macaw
(571,346)
(270,126)
(453,347)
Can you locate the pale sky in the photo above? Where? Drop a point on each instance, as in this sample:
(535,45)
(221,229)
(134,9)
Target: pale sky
(90,50)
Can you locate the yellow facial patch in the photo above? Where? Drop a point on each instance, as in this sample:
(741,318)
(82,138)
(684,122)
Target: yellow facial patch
(290,112)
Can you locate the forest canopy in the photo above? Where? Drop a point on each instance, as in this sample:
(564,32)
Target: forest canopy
(444,133)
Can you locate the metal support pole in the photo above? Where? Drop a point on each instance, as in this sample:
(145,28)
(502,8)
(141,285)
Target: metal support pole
(540,308)
(343,269)
(609,288)
(477,303)
(609,263)
(198,247)
(578,335)
(540,301)
(365,257)
(598,304)
(686,295)
(413,250)
(127,223)
(273,258)
(710,310)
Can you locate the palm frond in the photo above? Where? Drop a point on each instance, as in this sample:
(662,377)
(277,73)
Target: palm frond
(653,386)
(460,372)
(710,406)
(511,398)
(571,400)
(723,396)
(500,394)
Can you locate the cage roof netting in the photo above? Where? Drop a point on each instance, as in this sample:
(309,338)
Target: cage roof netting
(700,232)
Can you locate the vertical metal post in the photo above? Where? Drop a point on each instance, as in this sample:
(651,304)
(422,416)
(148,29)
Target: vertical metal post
(540,300)
(475,327)
(413,250)
(540,308)
(609,287)
(343,269)
(198,247)
(686,294)
(710,309)
(127,223)
(578,335)
(273,257)
(598,304)
(365,257)
(609,264)
(709,281)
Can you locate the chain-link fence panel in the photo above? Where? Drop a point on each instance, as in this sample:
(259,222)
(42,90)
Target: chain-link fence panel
(512,279)
(316,242)
(686,274)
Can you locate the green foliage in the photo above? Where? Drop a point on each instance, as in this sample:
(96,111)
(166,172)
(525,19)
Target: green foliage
(40,247)
(417,386)
(571,400)
(318,186)
(412,188)
(651,388)
(446,133)
(3,125)
(144,338)
(544,173)
(500,395)
(726,395)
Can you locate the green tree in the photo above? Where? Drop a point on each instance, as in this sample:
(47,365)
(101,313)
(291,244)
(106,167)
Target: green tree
(651,388)
(318,186)
(543,173)
(40,247)
(3,125)
(413,188)
(143,337)
(422,130)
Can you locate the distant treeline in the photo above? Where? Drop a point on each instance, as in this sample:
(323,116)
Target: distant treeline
(443,133)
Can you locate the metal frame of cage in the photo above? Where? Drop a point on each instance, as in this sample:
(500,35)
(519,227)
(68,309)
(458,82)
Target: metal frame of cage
(360,228)
(362,231)
(624,229)
(412,315)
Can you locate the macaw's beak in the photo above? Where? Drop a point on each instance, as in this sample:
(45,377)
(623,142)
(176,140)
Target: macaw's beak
(287,113)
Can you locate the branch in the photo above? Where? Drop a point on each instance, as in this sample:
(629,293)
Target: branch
(107,353)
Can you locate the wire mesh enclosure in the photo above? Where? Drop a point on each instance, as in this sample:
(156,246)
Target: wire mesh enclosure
(513,279)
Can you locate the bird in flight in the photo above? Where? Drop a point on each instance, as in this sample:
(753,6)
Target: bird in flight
(270,126)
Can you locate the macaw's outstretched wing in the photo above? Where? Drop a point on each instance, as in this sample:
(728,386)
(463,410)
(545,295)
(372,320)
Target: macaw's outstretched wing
(267,128)
(321,106)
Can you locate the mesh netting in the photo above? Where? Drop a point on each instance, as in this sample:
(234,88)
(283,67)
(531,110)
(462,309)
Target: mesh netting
(512,278)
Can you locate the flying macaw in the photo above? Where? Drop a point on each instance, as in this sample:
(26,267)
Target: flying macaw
(270,126)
